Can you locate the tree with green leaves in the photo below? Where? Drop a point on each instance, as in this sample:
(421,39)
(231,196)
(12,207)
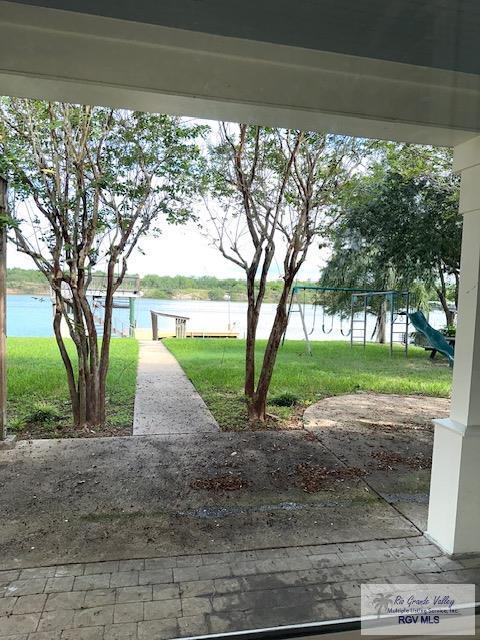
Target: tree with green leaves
(88,183)
(356,265)
(273,191)
(400,228)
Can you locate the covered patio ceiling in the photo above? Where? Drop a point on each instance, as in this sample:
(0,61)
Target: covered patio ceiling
(431,33)
(396,70)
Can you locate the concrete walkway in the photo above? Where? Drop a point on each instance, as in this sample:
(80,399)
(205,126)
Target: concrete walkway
(174,596)
(166,402)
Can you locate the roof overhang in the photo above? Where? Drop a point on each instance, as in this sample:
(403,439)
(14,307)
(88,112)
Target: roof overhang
(59,55)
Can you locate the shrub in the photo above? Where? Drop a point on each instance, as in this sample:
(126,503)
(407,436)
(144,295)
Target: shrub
(42,413)
(284,400)
(16,423)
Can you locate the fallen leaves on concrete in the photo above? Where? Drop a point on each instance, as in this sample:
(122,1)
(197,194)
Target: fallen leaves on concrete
(220,483)
(388,460)
(312,478)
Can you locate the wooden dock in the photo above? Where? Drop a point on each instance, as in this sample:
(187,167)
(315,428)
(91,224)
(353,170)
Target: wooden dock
(144,333)
(180,329)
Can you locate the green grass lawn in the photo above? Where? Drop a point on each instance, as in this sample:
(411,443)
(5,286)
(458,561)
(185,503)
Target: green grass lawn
(38,401)
(216,369)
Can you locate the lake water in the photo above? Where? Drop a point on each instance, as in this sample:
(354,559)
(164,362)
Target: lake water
(32,316)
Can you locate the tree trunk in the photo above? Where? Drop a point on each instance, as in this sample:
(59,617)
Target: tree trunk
(258,408)
(92,361)
(88,387)
(442,295)
(106,338)
(250,347)
(83,387)
(252,322)
(79,336)
(72,387)
(382,323)
(449,315)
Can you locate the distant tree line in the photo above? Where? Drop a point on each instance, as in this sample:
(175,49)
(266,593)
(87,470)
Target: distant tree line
(26,281)
(32,281)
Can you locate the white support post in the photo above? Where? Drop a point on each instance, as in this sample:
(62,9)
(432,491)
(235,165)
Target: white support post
(454,508)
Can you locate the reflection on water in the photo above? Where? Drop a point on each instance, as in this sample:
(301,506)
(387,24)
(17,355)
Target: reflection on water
(32,316)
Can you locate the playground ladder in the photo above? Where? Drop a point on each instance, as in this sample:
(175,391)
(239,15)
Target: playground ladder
(399,330)
(358,325)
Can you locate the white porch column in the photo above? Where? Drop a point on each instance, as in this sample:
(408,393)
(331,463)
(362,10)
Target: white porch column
(454,509)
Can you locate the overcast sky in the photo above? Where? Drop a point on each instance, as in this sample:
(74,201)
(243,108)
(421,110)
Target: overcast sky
(183,250)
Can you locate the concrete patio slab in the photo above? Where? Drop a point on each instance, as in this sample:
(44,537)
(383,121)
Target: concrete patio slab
(166,402)
(111,498)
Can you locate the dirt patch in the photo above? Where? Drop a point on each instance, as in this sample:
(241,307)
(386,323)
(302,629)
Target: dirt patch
(386,412)
(294,421)
(36,432)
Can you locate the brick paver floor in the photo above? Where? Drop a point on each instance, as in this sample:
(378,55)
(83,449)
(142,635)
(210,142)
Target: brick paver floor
(169,597)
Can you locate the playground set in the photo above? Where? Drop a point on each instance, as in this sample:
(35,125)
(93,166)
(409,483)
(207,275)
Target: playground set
(396,310)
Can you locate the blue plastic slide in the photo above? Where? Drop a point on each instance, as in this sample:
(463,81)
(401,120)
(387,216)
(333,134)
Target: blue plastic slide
(435,339)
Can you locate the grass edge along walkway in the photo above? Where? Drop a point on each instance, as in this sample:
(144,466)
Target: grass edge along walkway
(216,368)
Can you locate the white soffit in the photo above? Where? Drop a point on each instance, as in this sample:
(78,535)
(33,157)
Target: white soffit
(59,55)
